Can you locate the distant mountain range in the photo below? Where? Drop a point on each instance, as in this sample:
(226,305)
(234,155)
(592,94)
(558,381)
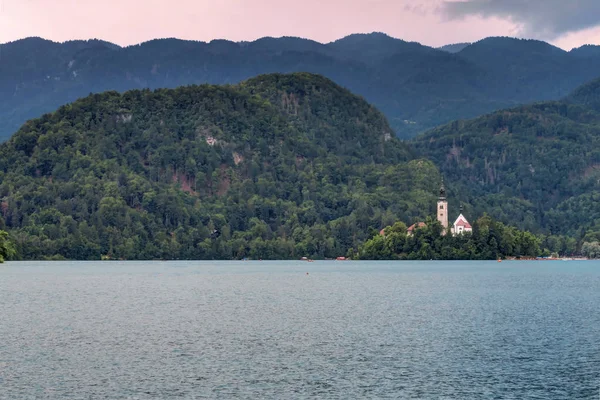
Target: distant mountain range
(417,87)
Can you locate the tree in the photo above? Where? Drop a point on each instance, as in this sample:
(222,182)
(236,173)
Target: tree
(591,250)
(489,240)
(7,247)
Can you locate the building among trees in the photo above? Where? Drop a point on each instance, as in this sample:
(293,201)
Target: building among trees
(442,209)
(460,226)
(411,229)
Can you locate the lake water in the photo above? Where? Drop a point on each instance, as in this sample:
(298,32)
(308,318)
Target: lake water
(267,330)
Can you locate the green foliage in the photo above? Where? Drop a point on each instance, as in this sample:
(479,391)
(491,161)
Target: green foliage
(489,240)
(587,95)
(591,250)
(278,167)
(416,86)
(7,247)
(536,166)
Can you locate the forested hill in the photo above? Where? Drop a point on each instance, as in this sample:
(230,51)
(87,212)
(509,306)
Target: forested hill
(416,86)
(455,47)
(537,166)
(280,166)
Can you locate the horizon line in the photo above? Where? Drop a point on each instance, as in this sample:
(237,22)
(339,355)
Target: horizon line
(284,37)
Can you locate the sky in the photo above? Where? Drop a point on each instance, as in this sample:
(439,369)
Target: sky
(565,23)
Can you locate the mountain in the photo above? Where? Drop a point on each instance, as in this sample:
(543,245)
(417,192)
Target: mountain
(537,166)
(587,95)
(585,51)
(374,48)
(279,166)
(455,47)
(529,70)
(416,86)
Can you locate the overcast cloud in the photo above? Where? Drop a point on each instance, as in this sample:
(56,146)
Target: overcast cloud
(542,19)
(565,23)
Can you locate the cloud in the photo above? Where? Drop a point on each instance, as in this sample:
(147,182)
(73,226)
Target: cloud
(132,21)
(431,22)
(542,19)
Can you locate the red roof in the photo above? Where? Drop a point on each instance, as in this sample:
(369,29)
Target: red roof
(463,222)
(382,232)
(417,225)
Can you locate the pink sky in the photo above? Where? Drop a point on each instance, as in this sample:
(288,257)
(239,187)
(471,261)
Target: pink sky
(133,21)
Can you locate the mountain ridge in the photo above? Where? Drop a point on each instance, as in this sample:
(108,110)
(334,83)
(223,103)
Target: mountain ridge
(416,86)
(454,47)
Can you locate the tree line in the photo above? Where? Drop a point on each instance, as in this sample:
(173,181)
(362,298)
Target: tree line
(489,240)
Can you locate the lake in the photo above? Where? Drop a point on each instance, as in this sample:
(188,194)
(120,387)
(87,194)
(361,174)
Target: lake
(269,330)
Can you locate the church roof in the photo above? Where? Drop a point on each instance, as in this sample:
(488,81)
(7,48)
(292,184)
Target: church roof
(442,191)
(462,221)
(417,225)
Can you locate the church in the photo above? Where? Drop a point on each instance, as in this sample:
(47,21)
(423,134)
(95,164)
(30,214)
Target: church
(461,225)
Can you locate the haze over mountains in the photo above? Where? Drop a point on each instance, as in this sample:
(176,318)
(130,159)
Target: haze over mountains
(417,87)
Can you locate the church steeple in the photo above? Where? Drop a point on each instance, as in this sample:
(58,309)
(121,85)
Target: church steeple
(442,208)
(442,191)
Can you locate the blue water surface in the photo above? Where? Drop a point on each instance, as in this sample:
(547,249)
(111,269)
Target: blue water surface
(298,330)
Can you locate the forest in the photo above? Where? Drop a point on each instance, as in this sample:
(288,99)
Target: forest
(417,87)
(278,167)
(489,240)
(536,167)
(290,166)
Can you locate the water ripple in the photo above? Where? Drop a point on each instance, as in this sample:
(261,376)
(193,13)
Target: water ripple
(191,330)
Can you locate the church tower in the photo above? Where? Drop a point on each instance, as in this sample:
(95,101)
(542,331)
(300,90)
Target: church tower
(442,208)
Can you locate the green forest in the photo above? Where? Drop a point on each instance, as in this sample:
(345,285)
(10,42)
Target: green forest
(489,240)
(279,167)
(290,166)
(417,87)
(536,167)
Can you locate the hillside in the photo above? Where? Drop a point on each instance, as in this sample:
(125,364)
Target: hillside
(416,86)
(455,47)
(538,165)
(280,166)
(529,70)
